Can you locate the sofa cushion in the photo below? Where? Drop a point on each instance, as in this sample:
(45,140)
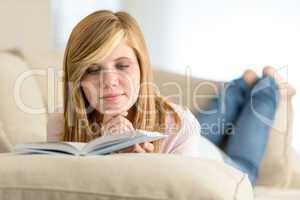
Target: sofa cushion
(21,104)
(271,193)
(50,63)
(276,168)
(120,176)
(295,162)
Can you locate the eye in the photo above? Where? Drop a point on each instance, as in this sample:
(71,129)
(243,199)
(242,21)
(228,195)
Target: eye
(93,70)
(122,66)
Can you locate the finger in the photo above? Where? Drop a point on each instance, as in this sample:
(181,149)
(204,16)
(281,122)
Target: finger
(107,118)
(126,122)
(116,119)
(148,147)
(126,150)
(133,149)
(119,122)
(138,149)
(117,129)
(125,113)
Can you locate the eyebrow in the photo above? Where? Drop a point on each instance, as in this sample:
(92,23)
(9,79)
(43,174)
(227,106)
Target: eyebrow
(117,59)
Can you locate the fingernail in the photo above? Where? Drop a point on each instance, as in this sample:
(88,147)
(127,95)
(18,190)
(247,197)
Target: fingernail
(146,145)
(125,113)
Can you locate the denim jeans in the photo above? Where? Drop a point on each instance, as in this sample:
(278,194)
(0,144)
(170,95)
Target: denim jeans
(239,121)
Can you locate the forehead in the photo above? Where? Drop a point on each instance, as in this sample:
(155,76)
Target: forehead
(122,50)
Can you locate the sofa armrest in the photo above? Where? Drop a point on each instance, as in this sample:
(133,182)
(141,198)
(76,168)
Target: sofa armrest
(120,176)
(276,168)
(295,179)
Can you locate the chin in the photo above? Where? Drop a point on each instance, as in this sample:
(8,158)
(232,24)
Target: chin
(114,110)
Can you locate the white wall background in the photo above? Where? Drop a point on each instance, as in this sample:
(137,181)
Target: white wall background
(26,25)
(67,13)
(217,39)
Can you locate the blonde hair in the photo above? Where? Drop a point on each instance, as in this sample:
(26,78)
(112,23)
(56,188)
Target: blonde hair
(96,36)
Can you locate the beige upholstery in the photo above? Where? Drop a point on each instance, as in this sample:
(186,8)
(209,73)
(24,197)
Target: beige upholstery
(268,193)
(20,99)
(276,169)
(127,176)
(50,83)
(295,177)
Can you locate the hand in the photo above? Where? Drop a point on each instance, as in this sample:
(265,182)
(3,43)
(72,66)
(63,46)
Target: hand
(145,147)
(116,124)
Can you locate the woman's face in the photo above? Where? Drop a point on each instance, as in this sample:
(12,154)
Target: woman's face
(112,85)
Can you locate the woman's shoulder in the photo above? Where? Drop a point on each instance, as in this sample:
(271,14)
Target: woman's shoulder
(188,141)
(185,115)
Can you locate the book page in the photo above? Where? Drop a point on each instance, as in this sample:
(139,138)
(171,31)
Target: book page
(106,141)
(136,138)
(48,146)
(77,145)
(50,152)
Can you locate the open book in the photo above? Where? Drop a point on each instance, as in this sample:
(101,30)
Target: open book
(99,146)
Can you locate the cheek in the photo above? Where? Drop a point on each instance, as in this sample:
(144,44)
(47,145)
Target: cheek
(90,91)
(132,82)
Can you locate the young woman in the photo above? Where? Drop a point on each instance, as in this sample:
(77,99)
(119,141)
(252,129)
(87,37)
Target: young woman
(108,89)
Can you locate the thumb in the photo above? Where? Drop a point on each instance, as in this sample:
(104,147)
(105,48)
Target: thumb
(148,146)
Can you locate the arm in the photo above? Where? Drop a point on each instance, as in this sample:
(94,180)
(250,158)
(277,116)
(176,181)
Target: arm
(188,141)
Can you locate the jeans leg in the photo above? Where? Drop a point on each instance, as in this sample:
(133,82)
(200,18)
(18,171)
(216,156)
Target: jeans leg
(247,145)
(224,111)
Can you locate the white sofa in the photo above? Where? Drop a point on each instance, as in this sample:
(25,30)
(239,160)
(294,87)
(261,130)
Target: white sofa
(126,176)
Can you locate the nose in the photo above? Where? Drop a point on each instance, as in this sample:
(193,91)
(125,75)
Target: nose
(110,79)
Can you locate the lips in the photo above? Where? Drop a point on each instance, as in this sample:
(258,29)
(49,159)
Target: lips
(112,97)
